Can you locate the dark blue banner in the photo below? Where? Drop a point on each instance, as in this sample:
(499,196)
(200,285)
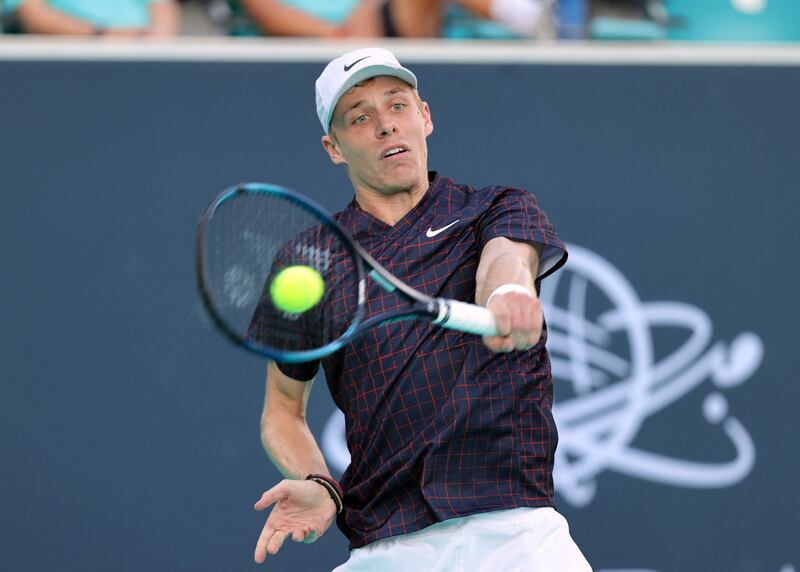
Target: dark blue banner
(130,426)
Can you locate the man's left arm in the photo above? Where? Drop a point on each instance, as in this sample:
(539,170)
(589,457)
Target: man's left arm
(505,284)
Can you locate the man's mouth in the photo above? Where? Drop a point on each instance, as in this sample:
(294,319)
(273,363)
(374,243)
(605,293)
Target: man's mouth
(394,151)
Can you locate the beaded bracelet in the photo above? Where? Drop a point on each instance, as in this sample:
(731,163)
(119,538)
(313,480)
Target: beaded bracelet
(333,488)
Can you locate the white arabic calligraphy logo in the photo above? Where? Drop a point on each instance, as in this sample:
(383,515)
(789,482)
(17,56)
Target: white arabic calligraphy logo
(613,395)
(613,392)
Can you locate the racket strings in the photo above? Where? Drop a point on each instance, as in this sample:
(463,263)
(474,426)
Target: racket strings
(249,240)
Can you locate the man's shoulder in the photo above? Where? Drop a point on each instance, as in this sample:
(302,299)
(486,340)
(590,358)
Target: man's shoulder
(468,189)
(450,190)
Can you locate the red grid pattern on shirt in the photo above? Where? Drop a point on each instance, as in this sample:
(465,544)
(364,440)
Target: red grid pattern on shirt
(438,426)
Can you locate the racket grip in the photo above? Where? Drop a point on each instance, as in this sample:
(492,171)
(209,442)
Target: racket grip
(466,317)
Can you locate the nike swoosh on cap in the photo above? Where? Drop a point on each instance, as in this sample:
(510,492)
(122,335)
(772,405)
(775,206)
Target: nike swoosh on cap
(348,68)
(430,233)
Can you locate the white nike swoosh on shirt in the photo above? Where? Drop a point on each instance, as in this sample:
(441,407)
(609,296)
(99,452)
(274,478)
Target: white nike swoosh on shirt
(430,233)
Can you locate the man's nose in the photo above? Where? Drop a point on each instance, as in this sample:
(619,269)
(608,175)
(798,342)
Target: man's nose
(386,125)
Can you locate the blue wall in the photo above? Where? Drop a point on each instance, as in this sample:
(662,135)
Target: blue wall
(130,427)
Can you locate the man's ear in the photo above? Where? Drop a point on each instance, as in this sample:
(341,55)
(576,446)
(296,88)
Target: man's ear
(426,113)
(332,149)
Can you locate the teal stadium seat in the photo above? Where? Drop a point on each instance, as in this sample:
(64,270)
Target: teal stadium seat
(734,20)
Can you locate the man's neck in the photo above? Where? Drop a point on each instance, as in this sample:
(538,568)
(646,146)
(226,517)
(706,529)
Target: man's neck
(390,207)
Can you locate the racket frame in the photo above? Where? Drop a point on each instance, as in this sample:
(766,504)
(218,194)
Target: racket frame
(203,278)
(447,313)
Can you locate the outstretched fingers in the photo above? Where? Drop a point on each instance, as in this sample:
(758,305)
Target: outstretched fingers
(263,541)
(269,498)
(271,541)
(277,540)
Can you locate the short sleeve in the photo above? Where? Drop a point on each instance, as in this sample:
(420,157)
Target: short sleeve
(300,371)
(514,214)
(271,327)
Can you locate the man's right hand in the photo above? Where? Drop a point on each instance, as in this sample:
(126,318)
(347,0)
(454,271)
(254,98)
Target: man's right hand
(303,510)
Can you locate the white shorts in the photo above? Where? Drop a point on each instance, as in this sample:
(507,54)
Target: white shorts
(514,540)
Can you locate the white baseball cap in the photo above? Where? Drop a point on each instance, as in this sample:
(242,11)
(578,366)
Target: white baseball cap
(351,68)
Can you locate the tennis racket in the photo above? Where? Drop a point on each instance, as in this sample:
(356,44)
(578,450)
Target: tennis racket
(252,231)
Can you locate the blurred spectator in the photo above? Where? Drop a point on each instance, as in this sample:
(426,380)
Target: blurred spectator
(618,20)
(335,18)
(496,18)
(126,18)
(200,17)
(372,18)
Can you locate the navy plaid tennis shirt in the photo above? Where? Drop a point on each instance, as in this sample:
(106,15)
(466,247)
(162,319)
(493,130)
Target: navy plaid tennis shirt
(437,425)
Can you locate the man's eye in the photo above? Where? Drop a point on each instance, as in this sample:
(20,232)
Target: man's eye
(398,106)
(360,119)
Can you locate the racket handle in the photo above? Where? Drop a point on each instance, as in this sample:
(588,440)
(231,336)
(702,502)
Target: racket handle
(465,318)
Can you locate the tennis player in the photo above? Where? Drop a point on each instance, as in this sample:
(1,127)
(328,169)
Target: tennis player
(451,436)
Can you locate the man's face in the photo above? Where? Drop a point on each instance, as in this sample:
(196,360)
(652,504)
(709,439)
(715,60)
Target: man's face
(378,130)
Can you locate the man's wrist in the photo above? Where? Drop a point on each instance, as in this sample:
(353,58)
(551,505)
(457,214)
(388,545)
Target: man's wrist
(511,287)
(332,486)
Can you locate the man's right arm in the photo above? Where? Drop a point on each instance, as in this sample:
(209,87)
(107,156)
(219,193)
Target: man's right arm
(285,434)
(303,509)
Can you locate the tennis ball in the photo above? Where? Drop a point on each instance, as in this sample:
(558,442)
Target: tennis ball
(296,289)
